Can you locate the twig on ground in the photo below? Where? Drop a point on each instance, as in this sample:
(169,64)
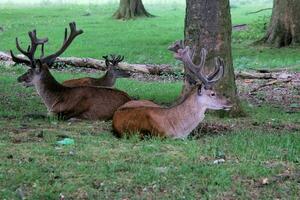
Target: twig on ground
(269,84)
(261,10)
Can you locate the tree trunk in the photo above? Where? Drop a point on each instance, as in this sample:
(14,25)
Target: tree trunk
(284,27)
(129,9)
(208,25)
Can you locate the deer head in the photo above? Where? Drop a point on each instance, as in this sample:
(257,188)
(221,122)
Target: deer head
(206,95)
(112,62)
(40,65)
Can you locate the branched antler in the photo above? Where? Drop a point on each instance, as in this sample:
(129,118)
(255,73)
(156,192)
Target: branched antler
(66,43)
(186,56)
(114,60)
(35,42)
(30,52)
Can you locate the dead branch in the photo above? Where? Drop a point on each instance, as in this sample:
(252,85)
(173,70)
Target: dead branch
(264,9)
(254,75)
(273,82)
(239,27)
(100,64)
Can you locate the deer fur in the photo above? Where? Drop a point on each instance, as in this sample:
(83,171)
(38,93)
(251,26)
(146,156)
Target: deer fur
(93,103)
(108,80)
(148,118)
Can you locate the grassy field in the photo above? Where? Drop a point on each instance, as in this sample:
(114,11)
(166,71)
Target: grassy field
(141,41)
(262,150)
(101,166)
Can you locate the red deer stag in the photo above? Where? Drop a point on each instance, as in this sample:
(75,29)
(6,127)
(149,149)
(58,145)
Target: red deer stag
(108,80)
(66,102)
(178,121)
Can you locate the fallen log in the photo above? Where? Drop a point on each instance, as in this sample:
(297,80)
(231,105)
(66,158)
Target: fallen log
(100,64)
(138,68)
(254,75)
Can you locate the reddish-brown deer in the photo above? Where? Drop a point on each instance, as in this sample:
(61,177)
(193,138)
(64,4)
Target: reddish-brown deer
(67,102)
(108,80)
(145,117)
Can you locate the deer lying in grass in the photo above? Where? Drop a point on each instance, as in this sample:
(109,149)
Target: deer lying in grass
(145,117)
(108,80)
(66,102)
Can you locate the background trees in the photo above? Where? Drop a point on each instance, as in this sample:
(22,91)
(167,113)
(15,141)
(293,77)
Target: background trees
(129,9)
(208,25)
(284,27)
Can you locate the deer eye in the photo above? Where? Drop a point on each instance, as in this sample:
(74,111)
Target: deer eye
(213,94)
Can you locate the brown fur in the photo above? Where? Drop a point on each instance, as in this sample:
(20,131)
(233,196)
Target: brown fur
(94,103)
(106,81)
(147,117)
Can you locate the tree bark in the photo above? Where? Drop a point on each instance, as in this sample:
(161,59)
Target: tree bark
(129,9)
(208,25)
(284,27)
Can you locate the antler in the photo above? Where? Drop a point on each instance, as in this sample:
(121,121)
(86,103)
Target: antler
(113,59)
(30,50)
(186,56)
(106,60)
(179,44)
(36,41)
(66,43)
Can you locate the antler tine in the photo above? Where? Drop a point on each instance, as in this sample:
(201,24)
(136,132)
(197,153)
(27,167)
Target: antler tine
(42,51)
(198,68)
(30,49)
(121,58)
(203,55)
(179,44)
(219,71)
(106,60)
(115,59)
(19,60)
(68,38)
(34,44)
(20,49)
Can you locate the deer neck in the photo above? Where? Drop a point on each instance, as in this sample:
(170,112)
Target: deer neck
(108,79)
(49,89)
(185,117)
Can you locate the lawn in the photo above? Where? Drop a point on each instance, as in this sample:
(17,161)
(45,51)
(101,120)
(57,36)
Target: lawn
(261,150)
(141,41)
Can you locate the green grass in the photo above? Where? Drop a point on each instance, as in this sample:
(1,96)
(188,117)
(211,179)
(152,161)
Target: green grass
(101,166)
(143,40)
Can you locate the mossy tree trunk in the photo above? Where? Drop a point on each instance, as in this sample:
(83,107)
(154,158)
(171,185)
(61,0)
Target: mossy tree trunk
(129,9)
(208,25)
(284,27)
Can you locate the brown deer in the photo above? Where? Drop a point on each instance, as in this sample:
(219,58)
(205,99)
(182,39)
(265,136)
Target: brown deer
(108,80)
(67,102)
(145,117)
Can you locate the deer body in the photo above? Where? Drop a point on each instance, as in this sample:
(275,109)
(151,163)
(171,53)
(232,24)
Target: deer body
(94,103)
(67,102)
(145,117)
(105,81)
(160,121)
(108,80)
